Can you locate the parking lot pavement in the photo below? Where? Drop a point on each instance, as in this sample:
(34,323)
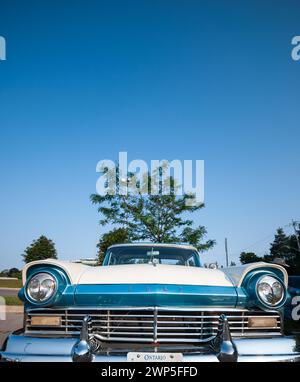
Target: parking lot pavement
(12,322)
(9,291)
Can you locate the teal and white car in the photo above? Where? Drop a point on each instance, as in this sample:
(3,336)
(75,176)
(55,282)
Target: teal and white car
(152,302)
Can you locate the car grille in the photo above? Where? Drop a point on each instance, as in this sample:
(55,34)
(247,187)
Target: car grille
(151,325)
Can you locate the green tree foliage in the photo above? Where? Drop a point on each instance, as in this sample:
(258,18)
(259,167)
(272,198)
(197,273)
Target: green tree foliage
(115,236)
(160,218)
(12,272)
(249,257)
(294,261)
(280,246)
(40,249)
(286,248)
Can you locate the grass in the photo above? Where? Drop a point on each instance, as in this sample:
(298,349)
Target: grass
(10,283)
(12,300)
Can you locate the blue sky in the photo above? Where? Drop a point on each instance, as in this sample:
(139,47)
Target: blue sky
(210,80)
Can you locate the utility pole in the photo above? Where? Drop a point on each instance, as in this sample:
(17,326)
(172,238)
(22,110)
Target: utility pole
(226,251)
(294,224)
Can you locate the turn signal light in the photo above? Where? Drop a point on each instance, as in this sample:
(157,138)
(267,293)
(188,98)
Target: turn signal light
(45,321)
(262,322)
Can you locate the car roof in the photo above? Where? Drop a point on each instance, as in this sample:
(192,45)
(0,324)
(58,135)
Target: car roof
(147,244)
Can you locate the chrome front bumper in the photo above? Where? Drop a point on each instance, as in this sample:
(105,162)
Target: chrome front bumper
(21,348)
(222,348)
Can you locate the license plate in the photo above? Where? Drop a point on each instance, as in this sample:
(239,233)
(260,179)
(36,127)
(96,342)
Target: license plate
(154,357)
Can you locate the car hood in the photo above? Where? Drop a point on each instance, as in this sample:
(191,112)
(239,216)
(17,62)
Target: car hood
(154,274)
(154,285)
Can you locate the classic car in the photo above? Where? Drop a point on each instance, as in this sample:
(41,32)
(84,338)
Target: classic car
(152,302)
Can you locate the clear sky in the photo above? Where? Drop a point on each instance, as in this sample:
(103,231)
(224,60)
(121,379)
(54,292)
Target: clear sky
(210,80)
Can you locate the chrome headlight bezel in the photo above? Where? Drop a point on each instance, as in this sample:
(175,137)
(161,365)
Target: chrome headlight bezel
(41,279)
(270,300)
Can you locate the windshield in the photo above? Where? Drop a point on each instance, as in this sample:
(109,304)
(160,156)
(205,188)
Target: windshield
(147,254)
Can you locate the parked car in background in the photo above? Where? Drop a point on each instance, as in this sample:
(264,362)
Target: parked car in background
(152,302)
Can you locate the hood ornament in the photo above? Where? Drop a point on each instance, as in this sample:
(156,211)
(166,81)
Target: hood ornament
(152,254)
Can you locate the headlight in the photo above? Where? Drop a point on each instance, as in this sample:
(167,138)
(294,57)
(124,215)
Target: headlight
(270,291)
(41,287)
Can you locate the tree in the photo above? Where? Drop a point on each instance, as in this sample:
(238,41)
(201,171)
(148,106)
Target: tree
(249,257)
(115,236)
(4,273)
(194,236)
(12,272)
(294,260)
(286,248)
(15,273)
(280,246)
(40,249)
(158,218)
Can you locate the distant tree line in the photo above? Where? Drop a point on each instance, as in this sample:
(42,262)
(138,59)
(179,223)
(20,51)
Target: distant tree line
(284,247)
(12,272)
